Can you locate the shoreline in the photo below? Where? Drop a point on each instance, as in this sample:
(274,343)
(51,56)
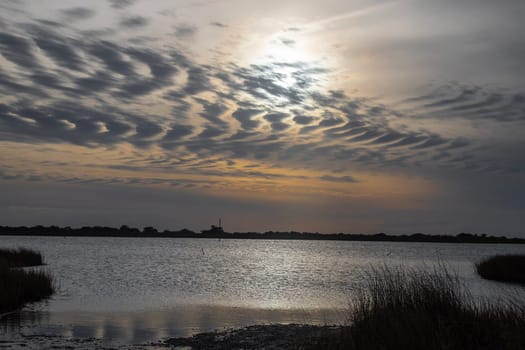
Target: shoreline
(112,328)
(461,238)
(272,336)
(267,336)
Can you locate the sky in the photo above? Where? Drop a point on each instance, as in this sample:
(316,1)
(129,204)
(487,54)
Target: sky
(357,116)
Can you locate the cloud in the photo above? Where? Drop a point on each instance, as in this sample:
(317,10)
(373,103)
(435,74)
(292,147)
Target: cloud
(161,69)
(18,50)
(212,112)
(49,80)
(388,137)
(219,24)
(245,117)
(112,56)
(210,132)
(431,142)
(367,135)
(264,82)
(78,13)
(343,179)
(8,85)
(62,50)
(121,4)
(330,121)
(458,101)
(276,121)
(66,122)
(303,119)
(134,22)
(288,42)
(197,81)
(146,129)
(104,93)
(185,31)
(178,132)
(409,140)
(459,143)
(97,82)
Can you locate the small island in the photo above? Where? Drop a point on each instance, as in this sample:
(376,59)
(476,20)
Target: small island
(503,268)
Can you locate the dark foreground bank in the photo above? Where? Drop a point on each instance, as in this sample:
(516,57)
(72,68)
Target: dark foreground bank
(276,336)
(20,286)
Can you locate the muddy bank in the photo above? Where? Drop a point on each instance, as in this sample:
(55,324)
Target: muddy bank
(269,337)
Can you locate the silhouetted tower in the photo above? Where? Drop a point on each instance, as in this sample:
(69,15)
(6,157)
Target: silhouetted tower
(215,229)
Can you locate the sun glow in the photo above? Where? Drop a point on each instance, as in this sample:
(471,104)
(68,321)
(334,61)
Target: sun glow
(285,54)
(286,47)
(285,50)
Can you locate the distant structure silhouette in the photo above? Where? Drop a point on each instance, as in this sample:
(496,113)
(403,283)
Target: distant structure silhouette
(214,229)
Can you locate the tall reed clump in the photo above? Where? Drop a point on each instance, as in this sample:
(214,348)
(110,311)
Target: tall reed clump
(504,268)
(414,309)
(21,257)
(19,286)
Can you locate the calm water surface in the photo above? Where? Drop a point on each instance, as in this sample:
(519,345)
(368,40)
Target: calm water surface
(135,290)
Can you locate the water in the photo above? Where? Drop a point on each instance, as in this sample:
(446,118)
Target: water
(135,290)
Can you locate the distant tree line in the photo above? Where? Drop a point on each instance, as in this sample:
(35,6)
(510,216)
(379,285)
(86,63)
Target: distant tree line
(217,232)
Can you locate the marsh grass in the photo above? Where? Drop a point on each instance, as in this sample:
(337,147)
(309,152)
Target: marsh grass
(504,268)
(415,309)
(21,285)
(20,257)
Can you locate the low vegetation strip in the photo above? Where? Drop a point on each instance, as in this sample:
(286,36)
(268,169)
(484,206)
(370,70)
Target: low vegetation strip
(218,232)
(504,268)
(19,286)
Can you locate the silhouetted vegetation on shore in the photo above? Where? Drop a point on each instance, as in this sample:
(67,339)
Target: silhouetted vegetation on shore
(125,231)
(504,268)
(401,309)
(20,257)
(19,286)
